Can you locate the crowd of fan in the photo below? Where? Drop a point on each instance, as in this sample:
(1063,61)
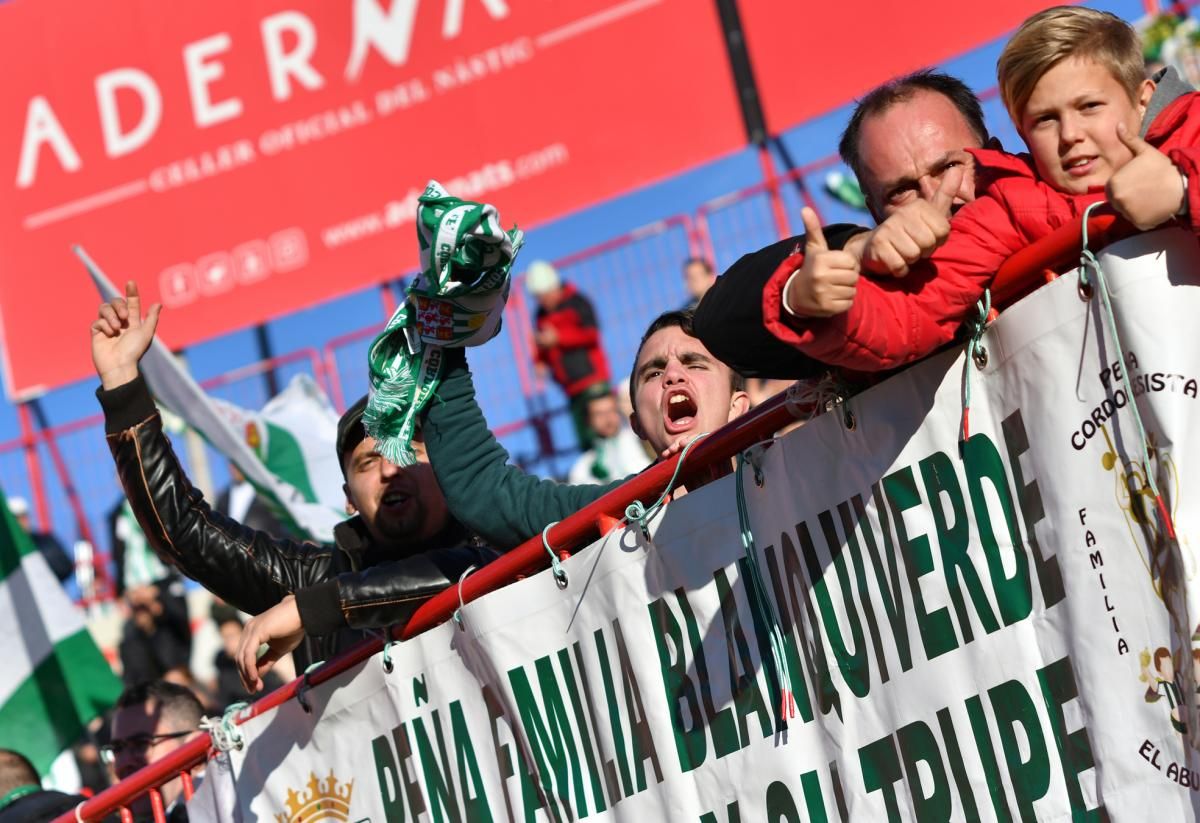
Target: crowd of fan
(949,208)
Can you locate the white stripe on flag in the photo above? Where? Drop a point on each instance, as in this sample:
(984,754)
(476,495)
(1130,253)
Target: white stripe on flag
(36,614)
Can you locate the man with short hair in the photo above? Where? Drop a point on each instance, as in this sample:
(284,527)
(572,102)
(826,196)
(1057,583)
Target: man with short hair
(302,593)
(679,391)
(22,798)
(698,278)
(616,451)
(905,140)
(150,721)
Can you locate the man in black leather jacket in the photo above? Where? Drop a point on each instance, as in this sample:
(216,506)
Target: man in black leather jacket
(314,597)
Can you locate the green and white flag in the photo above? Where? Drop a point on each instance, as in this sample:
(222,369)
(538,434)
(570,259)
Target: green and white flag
(295,437)
(314,515)
(54,680)
(457,300)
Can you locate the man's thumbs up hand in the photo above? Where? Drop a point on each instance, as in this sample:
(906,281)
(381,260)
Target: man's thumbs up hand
(914,230)
(825,284)
(1148,189)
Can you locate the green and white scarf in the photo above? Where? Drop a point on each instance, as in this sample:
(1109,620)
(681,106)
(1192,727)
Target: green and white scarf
(457,300)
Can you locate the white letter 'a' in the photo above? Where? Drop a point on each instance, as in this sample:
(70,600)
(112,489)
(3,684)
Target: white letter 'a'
(41,126)
(452,20)
(117,142)
(390,33)
(281,65)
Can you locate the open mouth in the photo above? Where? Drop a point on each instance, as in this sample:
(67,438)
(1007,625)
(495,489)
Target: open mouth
(395,499)
(1080,166)
(680,412)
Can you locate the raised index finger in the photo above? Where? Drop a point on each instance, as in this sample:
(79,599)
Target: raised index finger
(134,302)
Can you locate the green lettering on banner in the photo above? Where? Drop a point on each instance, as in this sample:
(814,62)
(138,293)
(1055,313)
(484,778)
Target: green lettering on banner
(640,737)
(881,770)
(564,663)
(720,724)
(813,798)
(814,655)
(475,803)
(954,755)
(890,589)
(1013,594)
(780,805)
(690,742)
(1033,511)
(550,738)
(918,744)
(747,699)
(851,524)
(937,472)
(504,760)
(853,663)
(412,789)
(732,815)
(774,677)
(1074,749)
(937,629)
(991,769)
(609,767)
(439,783)
(389,780)
(1030,778)
(615,725)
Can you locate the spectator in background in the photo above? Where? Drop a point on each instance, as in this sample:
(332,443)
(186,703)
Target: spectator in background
(227,688)
(568,343)
(698,278)
(242,503)
(615,453)
(157,637)
(56,556)
(150,721)
(22,798)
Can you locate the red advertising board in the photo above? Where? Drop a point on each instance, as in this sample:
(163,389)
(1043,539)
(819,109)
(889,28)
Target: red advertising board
(810,58)
(245,159)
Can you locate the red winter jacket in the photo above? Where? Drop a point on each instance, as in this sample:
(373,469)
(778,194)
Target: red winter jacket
(577,362)
(897,320)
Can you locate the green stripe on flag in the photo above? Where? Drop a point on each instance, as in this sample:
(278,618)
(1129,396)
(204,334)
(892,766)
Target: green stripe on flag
(14,542)
(50,710)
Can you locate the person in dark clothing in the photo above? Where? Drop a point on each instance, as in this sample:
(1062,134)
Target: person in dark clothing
(56,556)
(228,688)
(157,638)
(22,798)
(150,721)
(568,343)
(318,598)
(902,139)
(239,501)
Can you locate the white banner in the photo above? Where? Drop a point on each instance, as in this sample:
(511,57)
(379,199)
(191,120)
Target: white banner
(967,635)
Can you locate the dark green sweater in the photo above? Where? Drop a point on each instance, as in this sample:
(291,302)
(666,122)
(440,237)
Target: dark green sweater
(500,503)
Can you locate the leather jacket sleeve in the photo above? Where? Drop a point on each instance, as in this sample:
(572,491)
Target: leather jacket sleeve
(251,570)
(386,594)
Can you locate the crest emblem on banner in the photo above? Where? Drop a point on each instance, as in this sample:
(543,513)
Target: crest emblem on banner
(326,799)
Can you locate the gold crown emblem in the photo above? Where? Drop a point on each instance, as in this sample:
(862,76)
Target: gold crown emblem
(324,800)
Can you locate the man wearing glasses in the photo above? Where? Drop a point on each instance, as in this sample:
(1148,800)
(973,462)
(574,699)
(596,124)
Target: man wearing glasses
(152,720)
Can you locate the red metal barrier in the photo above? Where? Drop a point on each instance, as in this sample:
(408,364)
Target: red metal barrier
(1019,275)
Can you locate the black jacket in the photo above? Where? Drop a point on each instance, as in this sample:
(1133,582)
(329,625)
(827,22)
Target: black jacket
(340,589)
(729,320)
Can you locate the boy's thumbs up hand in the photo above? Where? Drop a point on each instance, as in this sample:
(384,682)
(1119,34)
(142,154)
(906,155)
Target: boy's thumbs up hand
(825,284)
(1148,189)
(914,230)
